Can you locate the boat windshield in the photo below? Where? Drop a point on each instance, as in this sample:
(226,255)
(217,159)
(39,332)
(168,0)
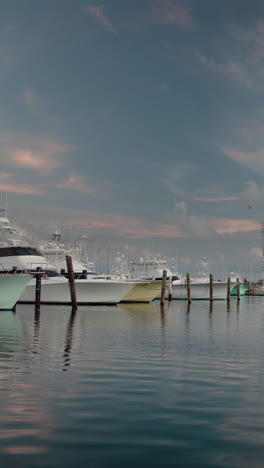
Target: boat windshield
(52,273)
(14,251)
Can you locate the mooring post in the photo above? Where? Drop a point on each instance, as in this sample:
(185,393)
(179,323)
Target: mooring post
(211,287)
(228,289)
(188,282)
(170,290)
(163,287)
(238,289)
(38,288)
(71,281)
(63,271)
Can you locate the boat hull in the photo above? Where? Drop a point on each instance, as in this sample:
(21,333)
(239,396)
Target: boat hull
(11,288)
(143,292)
(243,290)
(57,291)
(200,291)
(258,292)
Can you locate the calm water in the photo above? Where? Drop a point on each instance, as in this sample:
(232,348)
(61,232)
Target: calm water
(131,386)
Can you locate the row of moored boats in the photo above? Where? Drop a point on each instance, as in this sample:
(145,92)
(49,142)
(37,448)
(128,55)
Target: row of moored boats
(141,282)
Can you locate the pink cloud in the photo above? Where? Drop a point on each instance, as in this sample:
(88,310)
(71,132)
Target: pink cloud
(232,226)
(97,11)
(77,183)
(129,227)
(33,160)
(21,189)
(219,199)
(174,12)
(31,152)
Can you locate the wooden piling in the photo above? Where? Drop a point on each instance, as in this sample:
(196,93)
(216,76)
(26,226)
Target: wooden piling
(71,281)
(238,289)
(228,289)
(211,287)
(188,282)
(38,288)
(163,287)
(170,290)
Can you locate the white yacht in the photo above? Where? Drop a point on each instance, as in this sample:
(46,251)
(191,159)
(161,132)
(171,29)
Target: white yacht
(88,291)
(16,256)
(12,286)
(200,285)
(55,252)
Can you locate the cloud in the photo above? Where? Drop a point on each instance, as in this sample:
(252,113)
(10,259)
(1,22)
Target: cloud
(254,160)
(176,178)
(21,189)
(215,200)
(245,62)
(29,97)
(173,12)
(98,12)
(256,252)
(253,192)
(31,152)
(229,68)
(129,227)
(232,226)
(33,160)
(9,184)
(77,183)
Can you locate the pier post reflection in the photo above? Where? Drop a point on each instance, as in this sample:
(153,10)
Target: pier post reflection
(162,315)
(36,330)
(211,309)
(68,339)
(187,315)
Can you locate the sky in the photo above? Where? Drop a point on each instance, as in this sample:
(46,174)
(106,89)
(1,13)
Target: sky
(140,121)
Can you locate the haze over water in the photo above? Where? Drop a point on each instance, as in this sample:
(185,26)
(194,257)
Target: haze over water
(133,386)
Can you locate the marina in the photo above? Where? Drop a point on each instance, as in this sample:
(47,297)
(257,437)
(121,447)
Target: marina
(132,234)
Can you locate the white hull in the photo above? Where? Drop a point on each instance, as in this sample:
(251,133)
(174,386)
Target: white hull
(143,292)
(200,290)
(57,291)
(258,292)
(11,288)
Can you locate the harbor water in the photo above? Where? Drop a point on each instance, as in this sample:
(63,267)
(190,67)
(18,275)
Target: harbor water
(133,385)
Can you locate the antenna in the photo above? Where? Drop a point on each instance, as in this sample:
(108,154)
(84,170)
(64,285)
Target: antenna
(262,231)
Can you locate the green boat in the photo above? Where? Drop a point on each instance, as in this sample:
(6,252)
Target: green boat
(243,290)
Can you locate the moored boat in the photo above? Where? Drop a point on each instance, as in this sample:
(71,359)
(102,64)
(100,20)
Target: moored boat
(143,292)
(200,290)
(12,286)
(56,291)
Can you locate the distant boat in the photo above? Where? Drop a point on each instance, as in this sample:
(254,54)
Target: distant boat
(54,251)
(200,290)
(150,269)
(200,286)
